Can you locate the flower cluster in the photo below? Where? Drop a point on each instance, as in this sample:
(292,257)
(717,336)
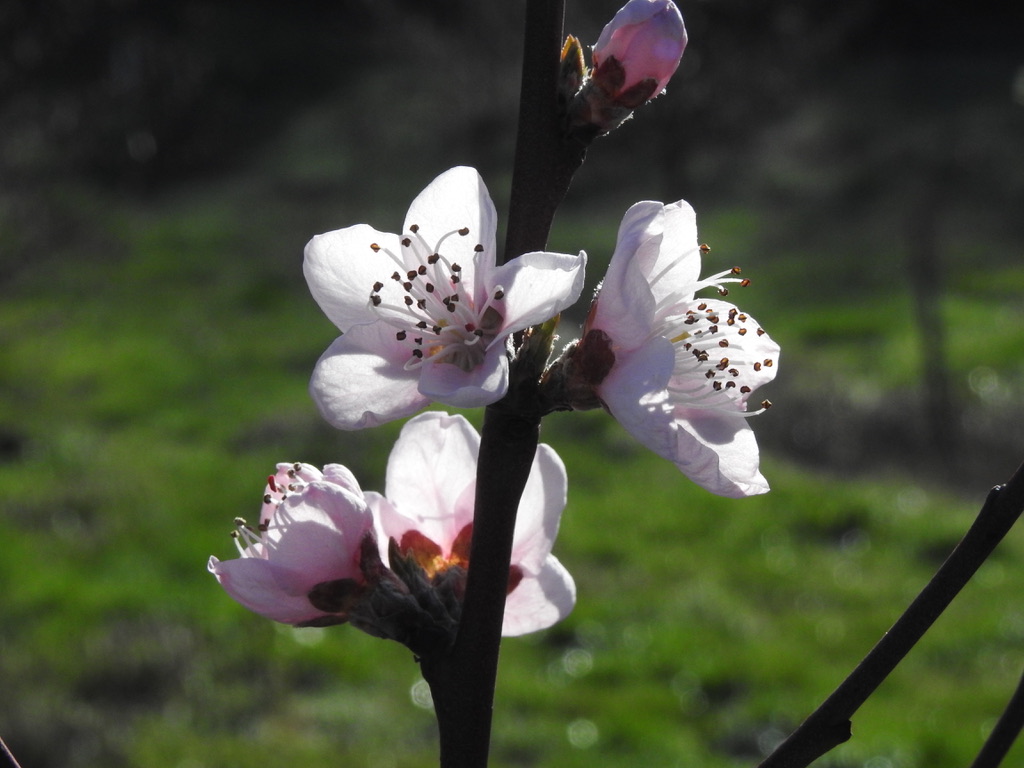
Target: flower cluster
(428,315)
(325,552)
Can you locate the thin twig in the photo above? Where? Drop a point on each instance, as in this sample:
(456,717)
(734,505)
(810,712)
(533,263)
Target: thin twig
(829,725)
(1005,733)
(8,758)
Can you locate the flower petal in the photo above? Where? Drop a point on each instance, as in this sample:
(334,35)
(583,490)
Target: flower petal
(716,449)
(316,532)
(265,588)
(537,287)
(540,510)
(341,269)
(539,600)
(625,304)
(719,453)
(673,269)
(449,384)
(360,380)
(457,198)
(429,471)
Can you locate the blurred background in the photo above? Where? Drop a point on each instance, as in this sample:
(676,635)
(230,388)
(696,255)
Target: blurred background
(163,164)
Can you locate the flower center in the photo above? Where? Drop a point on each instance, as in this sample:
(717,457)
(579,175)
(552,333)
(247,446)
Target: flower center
(431,558)
(434,312)
(717,362)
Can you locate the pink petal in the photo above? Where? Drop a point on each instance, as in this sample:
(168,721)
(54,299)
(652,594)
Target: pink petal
(342,475)
(429,471)
(265,588)
(316,533)
(360,380)
(539,600)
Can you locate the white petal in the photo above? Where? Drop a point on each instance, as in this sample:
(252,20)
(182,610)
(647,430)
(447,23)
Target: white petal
(457,198)
(625,304)
(716,450)
(675,266)
(430,469)
(719,453)
(540,600)
(447,383)
(632,389)
(341,269)
(540,510)
(537,287)
(360,380)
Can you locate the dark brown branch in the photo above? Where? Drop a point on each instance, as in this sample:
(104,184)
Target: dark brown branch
(829,725)
(1005,733)
(462,680)
(544,161)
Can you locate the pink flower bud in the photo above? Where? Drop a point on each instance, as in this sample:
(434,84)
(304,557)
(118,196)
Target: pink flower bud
(647,38)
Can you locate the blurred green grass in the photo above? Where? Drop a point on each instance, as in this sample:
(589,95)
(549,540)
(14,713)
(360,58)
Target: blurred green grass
(153,369)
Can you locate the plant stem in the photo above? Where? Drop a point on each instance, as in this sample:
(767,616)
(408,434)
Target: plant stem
(829,725)
(7,757)
(1005,732)
(462,680)
(544,161)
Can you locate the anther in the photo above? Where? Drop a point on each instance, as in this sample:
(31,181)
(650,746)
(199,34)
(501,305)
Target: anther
(704,248)
(414,228)
(374,247)
(735,270)
(499,294)
(723,343)
(377,286)
(406,241)
(478,248)
(267,498)
(744,282)
(757,366)
(464,231)
(376,300)
(400,336)
(766,404)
